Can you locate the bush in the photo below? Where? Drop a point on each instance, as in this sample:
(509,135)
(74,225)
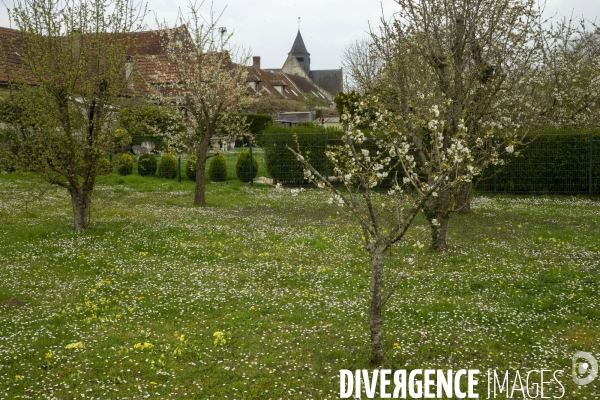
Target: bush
(190,168)
(167,167)
(147,164)
(218,168)
(242,167)
(104,167)
(124,164)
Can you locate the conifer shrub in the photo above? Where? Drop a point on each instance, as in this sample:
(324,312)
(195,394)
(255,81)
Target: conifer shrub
(217,171)
(242,167)
(190,168)
(124,164)
(167,167)
(147,164)
(104,167)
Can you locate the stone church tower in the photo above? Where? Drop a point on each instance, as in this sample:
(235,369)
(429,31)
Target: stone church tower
(300,53)
(298,63)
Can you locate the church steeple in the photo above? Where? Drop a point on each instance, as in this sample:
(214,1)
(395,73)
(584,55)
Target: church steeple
(298,46)
(300,53)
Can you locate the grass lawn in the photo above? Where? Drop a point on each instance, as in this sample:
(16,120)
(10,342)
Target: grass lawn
(263,293)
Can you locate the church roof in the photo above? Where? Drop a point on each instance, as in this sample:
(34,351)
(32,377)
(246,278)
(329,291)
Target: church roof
(298,47)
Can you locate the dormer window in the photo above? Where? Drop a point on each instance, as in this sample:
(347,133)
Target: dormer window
(280,89)
(279,86)
(253,82)
(300,59)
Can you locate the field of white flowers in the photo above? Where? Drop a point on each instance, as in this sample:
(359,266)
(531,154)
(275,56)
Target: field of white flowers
(263,293)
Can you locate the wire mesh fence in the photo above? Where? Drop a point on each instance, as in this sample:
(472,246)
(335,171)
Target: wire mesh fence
(557,163)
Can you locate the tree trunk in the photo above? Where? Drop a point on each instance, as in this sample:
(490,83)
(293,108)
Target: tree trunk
(376,310)
(463,198)
(81,209)
(199,194)
(437,211)
(439,233)
(200,191)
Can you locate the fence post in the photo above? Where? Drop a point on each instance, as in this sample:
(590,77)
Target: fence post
(179,168)
(251,172)
(326,164)
(591,162)
(495,166)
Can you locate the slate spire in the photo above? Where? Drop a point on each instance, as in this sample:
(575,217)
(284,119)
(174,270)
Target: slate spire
(298,47)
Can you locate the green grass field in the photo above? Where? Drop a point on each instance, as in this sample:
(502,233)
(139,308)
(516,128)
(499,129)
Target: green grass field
(263,293)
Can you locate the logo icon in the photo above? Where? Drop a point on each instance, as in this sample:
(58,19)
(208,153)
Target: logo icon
(582,367)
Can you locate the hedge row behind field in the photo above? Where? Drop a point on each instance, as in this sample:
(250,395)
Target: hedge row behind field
(556,163)
(282,164)
(283,167)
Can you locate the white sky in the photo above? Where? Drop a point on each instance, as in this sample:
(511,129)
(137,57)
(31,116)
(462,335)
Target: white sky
(269,27)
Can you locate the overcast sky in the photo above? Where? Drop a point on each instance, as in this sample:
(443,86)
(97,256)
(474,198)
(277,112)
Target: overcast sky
(269,27)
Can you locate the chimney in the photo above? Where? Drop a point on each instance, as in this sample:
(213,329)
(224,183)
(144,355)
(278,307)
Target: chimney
(76,44)
(256,62)
(129,72)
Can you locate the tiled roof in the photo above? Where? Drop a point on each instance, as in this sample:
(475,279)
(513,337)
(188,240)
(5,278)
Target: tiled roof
(305,85)
(267,80)
(151,43)
(148,50)
(11,64)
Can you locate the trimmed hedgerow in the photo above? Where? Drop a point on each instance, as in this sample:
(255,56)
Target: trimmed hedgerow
(167,167)
(217,171)
(147,164)
(284,168)
(242,166)
(551,163)
(257,124)
(282,164)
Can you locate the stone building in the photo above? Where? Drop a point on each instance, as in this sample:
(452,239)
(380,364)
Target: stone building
(295,83)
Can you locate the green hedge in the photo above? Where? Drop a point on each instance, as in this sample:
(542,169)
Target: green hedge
(258,123)
(332,131)
(282,164)
(551,163)
(284,168)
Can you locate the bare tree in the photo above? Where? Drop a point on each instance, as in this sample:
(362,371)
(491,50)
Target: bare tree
(199,75)
(69,81)
(362,65)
